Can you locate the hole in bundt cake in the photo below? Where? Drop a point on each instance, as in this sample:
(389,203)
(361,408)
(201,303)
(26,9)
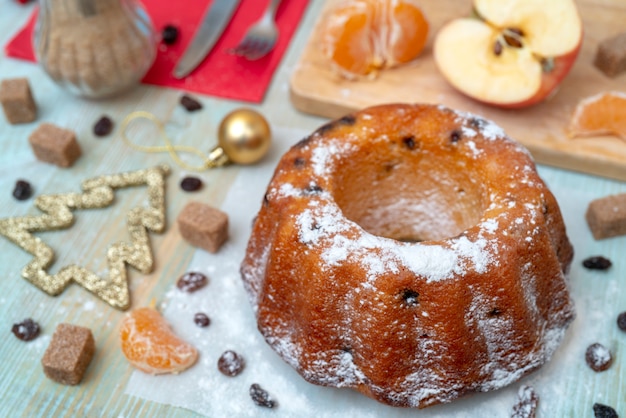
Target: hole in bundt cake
(409,195)
(410,297)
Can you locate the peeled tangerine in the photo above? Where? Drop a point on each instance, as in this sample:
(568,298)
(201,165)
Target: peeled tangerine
(150,345)
(361,37)
(602,114)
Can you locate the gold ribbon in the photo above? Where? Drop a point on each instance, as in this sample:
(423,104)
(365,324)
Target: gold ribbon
(170,148)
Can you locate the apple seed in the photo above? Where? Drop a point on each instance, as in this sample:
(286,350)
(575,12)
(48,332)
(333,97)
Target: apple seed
(497,48)
(516,31)
(512,39)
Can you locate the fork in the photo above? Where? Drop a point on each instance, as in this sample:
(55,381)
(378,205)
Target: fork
(261,37)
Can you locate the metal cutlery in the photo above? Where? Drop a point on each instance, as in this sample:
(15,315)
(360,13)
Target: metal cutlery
(261,36)
(211,27)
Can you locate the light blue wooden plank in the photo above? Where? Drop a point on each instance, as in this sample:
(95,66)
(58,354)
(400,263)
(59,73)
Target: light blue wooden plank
(24,391)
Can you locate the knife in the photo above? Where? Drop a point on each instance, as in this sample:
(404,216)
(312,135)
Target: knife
(211,27)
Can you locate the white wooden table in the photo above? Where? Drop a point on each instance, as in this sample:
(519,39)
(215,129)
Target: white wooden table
(24,390)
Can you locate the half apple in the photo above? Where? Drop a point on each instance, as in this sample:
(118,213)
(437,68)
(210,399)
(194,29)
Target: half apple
(512,53)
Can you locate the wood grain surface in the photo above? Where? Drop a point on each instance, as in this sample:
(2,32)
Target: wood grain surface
(316,89)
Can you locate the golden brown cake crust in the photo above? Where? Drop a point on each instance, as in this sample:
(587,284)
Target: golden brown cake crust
(410,252)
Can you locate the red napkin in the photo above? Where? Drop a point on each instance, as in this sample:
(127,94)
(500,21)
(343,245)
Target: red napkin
(220,74)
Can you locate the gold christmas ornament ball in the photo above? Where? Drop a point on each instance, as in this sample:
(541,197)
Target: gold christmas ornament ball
(245,136)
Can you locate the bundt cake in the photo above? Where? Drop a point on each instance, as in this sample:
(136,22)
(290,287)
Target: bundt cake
(410,252)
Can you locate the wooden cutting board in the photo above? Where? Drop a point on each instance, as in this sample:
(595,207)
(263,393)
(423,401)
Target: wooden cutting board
(315,89)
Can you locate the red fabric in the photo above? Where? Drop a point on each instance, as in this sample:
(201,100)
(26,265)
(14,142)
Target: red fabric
(220,74)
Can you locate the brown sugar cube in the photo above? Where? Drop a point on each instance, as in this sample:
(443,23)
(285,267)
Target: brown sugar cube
(17,101)
(606,217)
(203,226)
(611,55)
(55,145)
(69,354)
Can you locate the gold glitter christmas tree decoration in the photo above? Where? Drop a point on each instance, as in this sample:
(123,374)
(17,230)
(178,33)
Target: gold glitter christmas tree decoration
(98,192)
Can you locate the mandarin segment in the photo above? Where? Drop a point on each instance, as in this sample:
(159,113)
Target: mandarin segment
(361,37)
(602,114)
(408,34)
(347,39)
(150,345)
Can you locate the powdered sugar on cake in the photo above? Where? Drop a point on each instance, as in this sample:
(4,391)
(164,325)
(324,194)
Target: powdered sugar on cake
(487,128)
(323,156)
(364,286)
(321,226)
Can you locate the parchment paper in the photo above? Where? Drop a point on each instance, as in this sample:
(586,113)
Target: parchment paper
(205,390)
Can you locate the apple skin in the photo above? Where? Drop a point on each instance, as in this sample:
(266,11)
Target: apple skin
(550,81)
(475,82)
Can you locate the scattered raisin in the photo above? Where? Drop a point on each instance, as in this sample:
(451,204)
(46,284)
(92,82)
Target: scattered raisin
(26,330)
(23,190)
(192,281)
(598,357)
(597,263)
(604,411)
(621,321)
(169,34)
(103,126)
(201,319)
(261,397)
(527,402)
(231,363)
(191,184)
(190,103)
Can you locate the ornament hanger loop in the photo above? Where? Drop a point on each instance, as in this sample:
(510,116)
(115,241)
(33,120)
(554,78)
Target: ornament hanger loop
(244,137)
